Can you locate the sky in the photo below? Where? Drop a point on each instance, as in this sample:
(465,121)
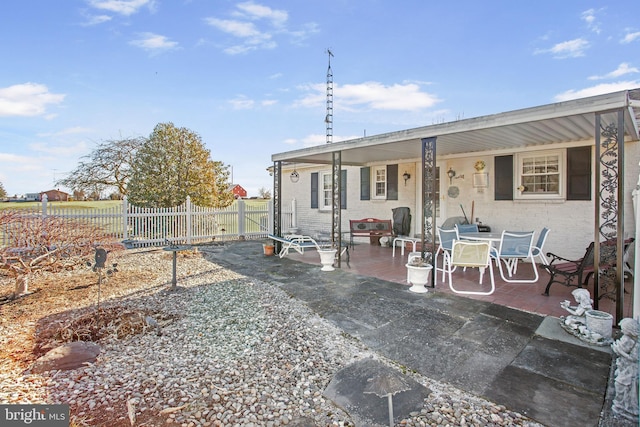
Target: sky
(250,77)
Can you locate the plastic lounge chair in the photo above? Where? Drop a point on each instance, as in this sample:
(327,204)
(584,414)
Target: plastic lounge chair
(466,228)
(446,238)
(297,242)
(513,247)
(465,254)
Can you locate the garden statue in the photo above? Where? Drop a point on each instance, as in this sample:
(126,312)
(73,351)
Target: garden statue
(625,401)
(576,322)
(577,315)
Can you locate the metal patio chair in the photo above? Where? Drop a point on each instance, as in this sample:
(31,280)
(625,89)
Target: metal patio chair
(466,228)
(446,238)
(537,248)
(465,254)
(515,246)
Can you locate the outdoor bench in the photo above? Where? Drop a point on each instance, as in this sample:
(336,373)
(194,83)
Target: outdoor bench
(370,227)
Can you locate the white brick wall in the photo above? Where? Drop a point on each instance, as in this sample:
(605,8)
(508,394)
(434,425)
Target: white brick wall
(571,222)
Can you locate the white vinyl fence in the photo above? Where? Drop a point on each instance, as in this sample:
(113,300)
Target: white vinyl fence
(138,227)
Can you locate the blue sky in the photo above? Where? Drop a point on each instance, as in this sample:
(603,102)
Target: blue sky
(249,76)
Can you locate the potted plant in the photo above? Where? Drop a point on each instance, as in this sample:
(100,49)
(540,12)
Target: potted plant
(418,271)
(268,247)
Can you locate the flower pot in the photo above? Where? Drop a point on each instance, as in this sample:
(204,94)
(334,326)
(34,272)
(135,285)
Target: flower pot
(327,257)
(268,249)
(599,322)
(418,276)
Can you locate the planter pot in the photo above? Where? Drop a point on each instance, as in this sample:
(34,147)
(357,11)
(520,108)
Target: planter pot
(268,249)
(599,322)
(327,258)
(418,277)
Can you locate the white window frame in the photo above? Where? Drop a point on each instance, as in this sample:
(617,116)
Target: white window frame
(323,176)
(518,192)
(374,179)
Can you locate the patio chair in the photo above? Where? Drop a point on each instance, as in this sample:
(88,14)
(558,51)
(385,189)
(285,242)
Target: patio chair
(537,248)
(465,254)
(297,242)
(515,246)
(446,238)
(466,228)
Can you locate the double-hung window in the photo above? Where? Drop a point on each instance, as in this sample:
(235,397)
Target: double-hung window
(326,190)
(380,182)
(540,175)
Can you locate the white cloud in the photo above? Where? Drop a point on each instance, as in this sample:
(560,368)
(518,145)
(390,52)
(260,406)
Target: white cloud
(96,20)
(256,27)
(27,99)
(371,95)
(242,103)
(318,139)
(597,90)
(251,10)
(622,69)
(154,43)
(569,49)
(630,37)
(123,7)
(589,16)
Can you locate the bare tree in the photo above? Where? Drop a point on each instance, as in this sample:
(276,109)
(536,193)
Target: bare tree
(34,243)
(264,193)
(108,166)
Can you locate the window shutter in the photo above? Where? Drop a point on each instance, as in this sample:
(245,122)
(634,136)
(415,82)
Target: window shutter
(579,173)
(314,190)
(392,182)
(343,189)
(504,177)
(365,183)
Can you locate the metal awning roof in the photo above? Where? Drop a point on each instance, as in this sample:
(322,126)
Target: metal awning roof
(569,121)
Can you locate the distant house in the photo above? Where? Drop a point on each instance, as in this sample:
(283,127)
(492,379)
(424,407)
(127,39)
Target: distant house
(238,191)
(55,196)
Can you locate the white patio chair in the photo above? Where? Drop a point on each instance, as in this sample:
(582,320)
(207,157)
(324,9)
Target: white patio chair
(446,238)
(465,253)
(515,246)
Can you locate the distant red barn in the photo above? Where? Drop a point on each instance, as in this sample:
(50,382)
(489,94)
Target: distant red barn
(238,191)
(55,196)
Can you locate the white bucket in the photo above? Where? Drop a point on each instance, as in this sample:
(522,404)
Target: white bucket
(600,322)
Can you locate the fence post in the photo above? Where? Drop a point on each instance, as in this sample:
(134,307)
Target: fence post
(241,218)
(45,198)
(270,214)
(189,231)
(125,218)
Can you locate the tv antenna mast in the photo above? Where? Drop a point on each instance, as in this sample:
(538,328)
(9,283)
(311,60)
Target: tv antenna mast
(329,117)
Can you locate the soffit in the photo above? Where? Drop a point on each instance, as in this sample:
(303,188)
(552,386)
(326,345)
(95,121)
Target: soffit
(569,121)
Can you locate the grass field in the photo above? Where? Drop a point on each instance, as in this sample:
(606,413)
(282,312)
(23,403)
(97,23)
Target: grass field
(100,204)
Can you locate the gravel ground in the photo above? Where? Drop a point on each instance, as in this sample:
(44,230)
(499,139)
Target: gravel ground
(222,350)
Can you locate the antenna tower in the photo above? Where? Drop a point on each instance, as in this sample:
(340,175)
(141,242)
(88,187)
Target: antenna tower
(329,117)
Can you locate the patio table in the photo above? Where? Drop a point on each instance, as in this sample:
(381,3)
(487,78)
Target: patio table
(487,237)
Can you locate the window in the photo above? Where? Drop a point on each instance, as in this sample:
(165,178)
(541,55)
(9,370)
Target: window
(540,175)
(326,191)
(380,182)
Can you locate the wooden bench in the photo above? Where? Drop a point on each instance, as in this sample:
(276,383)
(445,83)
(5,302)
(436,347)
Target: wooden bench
(369,227)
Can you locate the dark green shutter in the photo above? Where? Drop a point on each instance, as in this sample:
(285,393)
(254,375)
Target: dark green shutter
(392,182)
(579,173)
(365,183)
(314,190)
(504,177)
